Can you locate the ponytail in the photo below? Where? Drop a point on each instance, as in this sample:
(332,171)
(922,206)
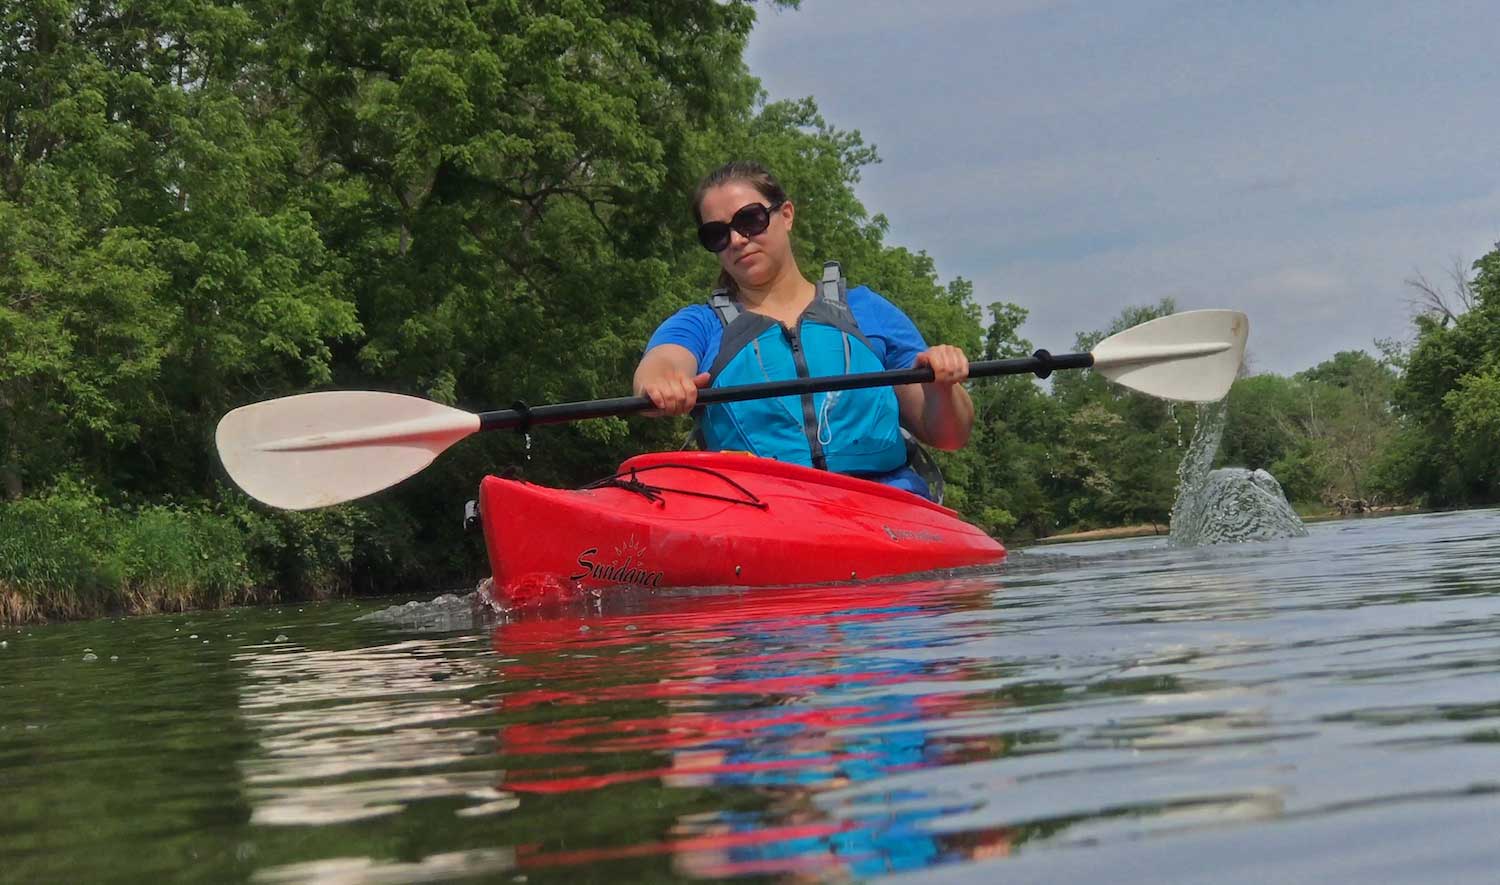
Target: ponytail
(727,283)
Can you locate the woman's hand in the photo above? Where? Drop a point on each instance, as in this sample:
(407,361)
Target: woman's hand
(674,392)
(939,412)
(948,363)
(668,377)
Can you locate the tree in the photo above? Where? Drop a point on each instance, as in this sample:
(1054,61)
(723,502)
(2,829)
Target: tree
(1119,453)
(1445,453)
(1342,421)
(162,256)
(1011,455)
(206,204)
(1428,299)
(1256,434)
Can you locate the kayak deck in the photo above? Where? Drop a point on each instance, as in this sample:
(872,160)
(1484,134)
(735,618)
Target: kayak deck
(706,519)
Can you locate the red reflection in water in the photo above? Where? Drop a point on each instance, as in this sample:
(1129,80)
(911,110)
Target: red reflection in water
(772,691)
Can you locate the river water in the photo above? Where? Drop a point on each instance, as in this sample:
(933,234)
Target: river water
(1315,709)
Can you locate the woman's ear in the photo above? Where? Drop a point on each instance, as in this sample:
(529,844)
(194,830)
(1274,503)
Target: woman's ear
(788,212)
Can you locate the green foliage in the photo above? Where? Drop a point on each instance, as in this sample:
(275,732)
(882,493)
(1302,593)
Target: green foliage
(1475,406)
(66,552)
(999,479)
(1320,432)
(1448,400)
(204,204)
(1116,453)
(1417,424)
(1256,432)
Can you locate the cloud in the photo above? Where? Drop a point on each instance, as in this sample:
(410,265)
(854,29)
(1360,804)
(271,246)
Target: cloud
(1265,183)
(1308,296)
(1074,157)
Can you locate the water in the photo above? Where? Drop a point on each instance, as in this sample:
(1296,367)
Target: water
(1229,505)
(1314,709)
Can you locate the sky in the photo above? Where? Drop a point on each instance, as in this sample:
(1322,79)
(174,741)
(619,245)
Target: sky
(1295,160)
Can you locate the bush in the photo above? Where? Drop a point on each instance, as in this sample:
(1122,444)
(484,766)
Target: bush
(67,552)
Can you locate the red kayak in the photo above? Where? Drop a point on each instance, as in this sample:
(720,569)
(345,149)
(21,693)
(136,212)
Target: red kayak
(711,519)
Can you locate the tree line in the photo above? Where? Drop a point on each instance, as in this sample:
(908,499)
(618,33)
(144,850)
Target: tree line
(204,204)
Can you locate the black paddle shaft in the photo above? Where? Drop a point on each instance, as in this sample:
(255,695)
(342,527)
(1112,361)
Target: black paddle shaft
(523,417)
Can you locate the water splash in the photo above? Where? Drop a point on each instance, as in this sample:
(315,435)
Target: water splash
(1230,504)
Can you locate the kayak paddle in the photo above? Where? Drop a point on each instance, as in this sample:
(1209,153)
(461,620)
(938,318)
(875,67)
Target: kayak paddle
(317,449)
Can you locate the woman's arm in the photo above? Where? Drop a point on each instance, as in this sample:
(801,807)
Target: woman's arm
(940,412)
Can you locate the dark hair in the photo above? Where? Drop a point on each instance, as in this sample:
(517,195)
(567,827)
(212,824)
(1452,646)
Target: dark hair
(753,174)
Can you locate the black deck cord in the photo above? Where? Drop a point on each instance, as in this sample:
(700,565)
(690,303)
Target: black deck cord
(652,493)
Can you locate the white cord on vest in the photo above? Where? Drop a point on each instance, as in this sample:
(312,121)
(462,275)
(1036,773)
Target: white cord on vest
(825,430)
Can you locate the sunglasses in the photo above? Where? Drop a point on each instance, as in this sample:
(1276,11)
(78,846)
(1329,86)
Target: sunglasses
(747,222)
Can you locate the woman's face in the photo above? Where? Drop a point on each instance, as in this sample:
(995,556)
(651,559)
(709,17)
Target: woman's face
(752,261)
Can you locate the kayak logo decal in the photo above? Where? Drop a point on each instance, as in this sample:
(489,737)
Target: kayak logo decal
(909,535)
(627,565)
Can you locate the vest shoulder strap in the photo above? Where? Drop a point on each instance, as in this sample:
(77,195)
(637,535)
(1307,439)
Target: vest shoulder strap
(724,306)
(833,287)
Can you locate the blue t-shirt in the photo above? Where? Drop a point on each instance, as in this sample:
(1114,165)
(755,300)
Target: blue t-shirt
(891,334)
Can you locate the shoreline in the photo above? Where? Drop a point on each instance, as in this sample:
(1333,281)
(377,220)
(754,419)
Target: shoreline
(1155,529)
(22,606)
(1105,534)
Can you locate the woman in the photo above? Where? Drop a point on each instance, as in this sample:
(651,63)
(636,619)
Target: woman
(767,322)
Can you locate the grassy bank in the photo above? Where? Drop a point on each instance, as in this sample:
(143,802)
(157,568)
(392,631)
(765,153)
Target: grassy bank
(70,553)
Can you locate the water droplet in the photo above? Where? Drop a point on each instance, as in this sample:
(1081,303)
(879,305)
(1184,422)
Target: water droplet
(631,627)
(584,628)
(205,642)
(4,644)
(114,657)
(194,636)
(91,657)
(280,637)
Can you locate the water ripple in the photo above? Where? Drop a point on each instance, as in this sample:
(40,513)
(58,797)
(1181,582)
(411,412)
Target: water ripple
(1312,709)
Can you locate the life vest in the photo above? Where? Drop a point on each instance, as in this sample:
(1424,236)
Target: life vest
(850,431)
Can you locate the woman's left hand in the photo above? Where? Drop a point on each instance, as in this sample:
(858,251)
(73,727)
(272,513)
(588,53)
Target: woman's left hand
(949,365)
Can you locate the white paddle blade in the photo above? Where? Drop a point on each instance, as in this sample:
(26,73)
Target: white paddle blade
(317,449)
(1192,356)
